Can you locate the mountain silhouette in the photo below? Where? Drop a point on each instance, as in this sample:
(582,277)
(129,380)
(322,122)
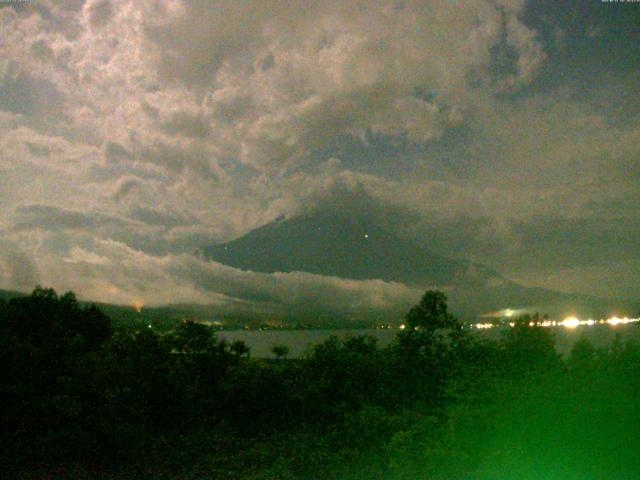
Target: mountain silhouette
(343,246)
(355,247)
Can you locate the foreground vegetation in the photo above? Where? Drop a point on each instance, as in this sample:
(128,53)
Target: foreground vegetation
(80,399)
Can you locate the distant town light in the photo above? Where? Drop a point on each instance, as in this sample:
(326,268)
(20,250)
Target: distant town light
(616,321)
(570,322)
(483,326)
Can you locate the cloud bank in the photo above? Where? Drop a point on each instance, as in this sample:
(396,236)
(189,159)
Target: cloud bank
(134,132)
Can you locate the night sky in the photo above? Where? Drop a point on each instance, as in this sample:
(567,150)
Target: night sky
(133,133)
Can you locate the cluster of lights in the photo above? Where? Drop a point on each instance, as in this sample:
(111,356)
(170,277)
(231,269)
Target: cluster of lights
(569,322)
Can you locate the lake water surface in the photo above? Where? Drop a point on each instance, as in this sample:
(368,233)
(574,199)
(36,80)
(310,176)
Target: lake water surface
(301,341)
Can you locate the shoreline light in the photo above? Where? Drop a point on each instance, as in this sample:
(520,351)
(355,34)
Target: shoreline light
(569,322)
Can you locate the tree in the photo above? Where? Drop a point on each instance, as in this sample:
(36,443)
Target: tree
(582,355)
(239,348)
(280,351)
(430,349)
(48,344)
(431,313)
(192,337)
(530,348)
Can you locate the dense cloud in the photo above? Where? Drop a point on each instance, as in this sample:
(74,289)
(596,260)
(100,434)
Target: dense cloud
(130,276)
(134,132)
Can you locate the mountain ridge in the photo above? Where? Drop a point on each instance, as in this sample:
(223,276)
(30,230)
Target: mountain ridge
(346,247)
(356,248)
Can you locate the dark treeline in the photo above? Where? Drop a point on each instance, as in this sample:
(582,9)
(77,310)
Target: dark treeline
(80,399)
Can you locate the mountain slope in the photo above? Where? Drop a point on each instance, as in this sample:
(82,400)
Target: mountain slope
(356,248)
(342,246)
(7,295)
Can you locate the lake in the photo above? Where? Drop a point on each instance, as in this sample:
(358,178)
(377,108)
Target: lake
(300,341)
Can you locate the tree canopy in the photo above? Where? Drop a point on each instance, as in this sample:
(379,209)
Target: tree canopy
(431,313)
